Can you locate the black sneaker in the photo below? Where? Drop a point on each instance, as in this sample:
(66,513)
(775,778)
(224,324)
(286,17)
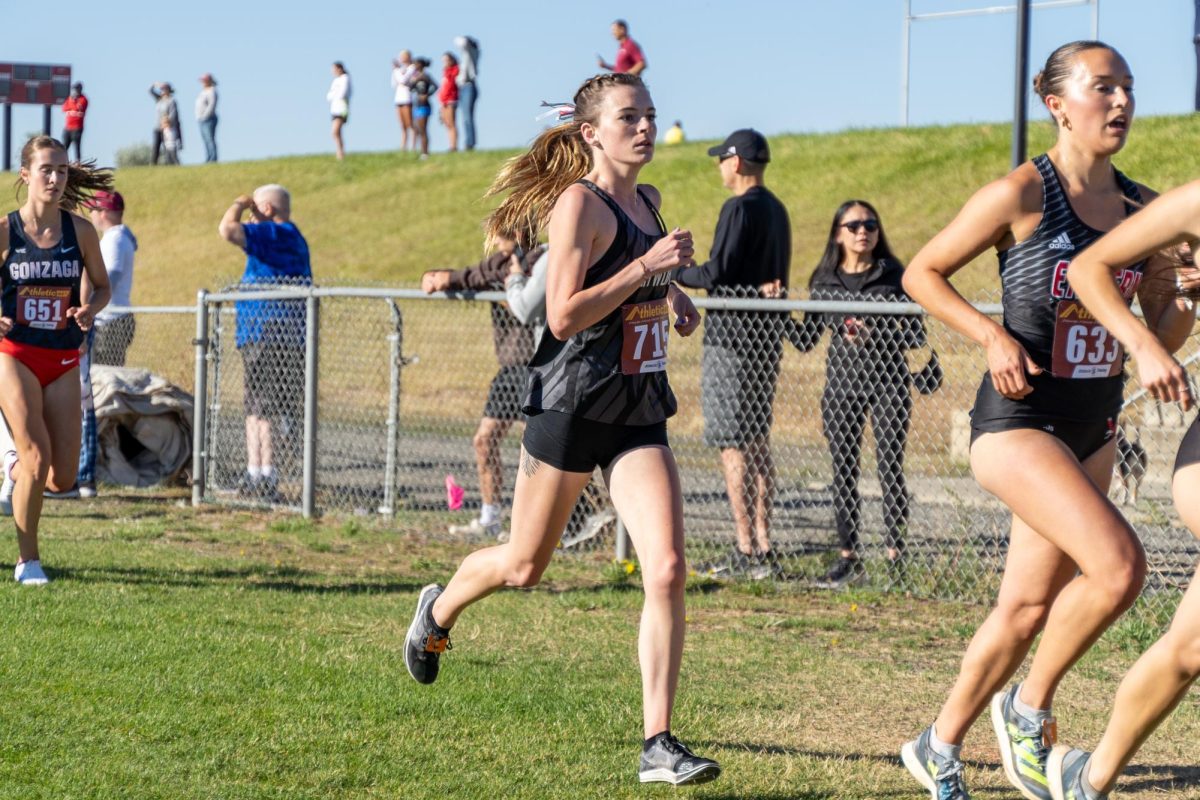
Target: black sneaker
(423,645)
(844,572)
(670,761)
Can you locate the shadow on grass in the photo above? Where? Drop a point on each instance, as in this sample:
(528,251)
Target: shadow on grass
(279,580)
(1159,777)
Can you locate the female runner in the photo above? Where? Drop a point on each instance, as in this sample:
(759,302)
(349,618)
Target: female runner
(50,258)
(1048,403)
(598,392)
(1161,677)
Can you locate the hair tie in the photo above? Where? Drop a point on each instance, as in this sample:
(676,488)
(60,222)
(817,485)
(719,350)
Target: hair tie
(563,112)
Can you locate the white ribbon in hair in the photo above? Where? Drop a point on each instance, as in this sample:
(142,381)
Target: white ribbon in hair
(562,112)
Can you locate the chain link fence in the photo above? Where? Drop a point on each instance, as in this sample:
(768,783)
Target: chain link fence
(866,406)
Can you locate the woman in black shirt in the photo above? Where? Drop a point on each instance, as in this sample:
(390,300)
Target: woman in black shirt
(866,374)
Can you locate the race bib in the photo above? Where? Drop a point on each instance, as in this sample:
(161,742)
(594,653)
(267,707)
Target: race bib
(43,307)
(1083,348)
(644,329)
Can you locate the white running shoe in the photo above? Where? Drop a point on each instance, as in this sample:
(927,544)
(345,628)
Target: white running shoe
(87,490)
(476,529)
(29,573)
(6,488)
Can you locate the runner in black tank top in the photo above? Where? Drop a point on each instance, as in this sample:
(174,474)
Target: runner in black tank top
(1073,564)
(1160,678)
(52,284)
(598,391)
(1078,394)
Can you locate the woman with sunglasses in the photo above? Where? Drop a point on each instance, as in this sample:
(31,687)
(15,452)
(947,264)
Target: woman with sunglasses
(1044,423)
(866,375)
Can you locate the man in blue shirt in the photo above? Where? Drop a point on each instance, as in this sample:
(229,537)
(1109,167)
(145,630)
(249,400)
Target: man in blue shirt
(270,333)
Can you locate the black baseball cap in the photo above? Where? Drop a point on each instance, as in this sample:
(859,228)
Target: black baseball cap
(747,143)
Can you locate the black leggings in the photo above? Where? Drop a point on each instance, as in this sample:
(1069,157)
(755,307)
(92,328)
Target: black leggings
(842,421)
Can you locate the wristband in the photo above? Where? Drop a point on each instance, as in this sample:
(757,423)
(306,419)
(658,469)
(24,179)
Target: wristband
(645,269)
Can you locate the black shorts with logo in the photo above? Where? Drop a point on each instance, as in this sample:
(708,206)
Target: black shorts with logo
(993,413)
(576,444)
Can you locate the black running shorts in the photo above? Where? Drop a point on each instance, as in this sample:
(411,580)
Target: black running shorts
(576,444)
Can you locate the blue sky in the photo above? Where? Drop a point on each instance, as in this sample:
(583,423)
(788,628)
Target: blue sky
(777,65)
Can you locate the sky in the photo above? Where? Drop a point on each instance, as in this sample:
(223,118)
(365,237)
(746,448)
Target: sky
(716,65)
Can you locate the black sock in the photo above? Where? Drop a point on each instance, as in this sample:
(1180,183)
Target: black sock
(438,629)
(646,745)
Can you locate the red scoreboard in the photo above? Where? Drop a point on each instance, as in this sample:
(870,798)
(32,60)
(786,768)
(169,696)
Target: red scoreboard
(37,84)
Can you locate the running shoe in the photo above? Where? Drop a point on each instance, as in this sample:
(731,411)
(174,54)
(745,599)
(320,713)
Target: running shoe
(423,645)
(669,760)
(65,494)
(943,777)
(10,483)
(1065,771)
(87,490)
(29,573)
(843,573)
(1024,746)
(475,528)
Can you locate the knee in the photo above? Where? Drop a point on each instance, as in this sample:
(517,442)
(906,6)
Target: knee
(34,461)
(1184,653)
(666,576)
(524,574)
(1025,618)
(1121,584)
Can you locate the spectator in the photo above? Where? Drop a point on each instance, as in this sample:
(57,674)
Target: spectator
(740,364)
(168,139)
(629,55)
(113,330)
(339,105)
(468,88)
(514,346)
(423,88)
(403,72)
(866,374)
(206,115)
(448,97)
(674,134)
(270,333)
(74,107)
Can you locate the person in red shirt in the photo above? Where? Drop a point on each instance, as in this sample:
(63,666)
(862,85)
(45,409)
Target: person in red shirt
(74,108)
(629,55)
(448,97)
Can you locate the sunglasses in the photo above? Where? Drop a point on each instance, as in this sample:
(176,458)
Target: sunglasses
(871,225)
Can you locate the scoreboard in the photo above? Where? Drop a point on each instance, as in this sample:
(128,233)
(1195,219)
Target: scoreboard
(37,84)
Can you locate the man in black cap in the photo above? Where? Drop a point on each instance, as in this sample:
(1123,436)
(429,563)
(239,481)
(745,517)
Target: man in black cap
(750,258)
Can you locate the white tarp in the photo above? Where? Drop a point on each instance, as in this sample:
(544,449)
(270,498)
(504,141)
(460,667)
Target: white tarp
(143,424)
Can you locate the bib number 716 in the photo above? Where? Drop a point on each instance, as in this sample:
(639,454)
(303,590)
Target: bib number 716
(645,331)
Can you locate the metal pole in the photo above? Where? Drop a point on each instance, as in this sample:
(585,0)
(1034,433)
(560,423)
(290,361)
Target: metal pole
(45,120)
(1095,20)
(8,135)
(200,400)
(905,58)
(396,338)
(622,541)
(1195,41)
(311,335)
(1022,78)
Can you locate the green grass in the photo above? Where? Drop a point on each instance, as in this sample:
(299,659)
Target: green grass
(200,654)
(385,217)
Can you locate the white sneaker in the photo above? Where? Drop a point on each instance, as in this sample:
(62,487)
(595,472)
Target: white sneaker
(30,573)
(473,528)
(6,488)
(87,490)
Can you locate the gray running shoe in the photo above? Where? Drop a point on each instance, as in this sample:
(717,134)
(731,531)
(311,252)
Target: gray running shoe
(1065,770)
(1024,746)
(670,761)
(943,777)
(423,646)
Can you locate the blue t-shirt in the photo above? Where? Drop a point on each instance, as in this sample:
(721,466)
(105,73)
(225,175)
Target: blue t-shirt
(276,253)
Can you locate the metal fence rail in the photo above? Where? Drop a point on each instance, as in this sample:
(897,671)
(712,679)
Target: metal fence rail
(391,384)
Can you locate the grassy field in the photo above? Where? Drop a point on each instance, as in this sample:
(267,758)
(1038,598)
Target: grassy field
(386,217)
(203,654)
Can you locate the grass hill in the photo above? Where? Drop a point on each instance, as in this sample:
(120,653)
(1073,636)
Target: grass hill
(385,217)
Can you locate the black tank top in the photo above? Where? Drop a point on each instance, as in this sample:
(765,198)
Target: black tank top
(1033,276)
(583,376)
(39,285)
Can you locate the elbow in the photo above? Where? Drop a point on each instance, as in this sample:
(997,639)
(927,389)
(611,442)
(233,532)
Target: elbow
(561,326)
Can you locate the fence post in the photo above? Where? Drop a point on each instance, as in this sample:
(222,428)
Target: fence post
(396,338)
(311,336)
(622,537)
(200,401)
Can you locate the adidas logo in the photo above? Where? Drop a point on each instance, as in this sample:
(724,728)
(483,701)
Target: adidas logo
(1061,242)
